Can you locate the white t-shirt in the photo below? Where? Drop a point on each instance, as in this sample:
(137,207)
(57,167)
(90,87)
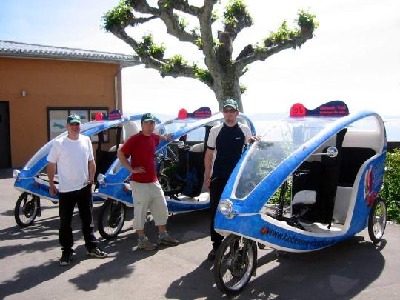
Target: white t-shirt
(71,157)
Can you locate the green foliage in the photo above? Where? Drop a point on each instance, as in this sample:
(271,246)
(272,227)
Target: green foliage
(284,33)
(176,62)
(391,185)
(182,23)
(203,75)
(275,199)
(147,47)
(236,12)
(307,20)
(243,89)
(119,15)
(199,43)
(167,4)
(171,171)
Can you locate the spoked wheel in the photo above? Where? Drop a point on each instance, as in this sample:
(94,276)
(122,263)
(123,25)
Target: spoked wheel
(26,209)
(111,218)
(234,264)
(377,220)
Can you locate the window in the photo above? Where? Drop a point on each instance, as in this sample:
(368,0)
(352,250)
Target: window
(57,118)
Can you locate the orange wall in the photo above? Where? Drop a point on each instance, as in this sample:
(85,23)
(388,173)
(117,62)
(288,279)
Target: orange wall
(50,83)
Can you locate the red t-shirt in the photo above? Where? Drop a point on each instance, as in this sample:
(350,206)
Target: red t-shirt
(141,148)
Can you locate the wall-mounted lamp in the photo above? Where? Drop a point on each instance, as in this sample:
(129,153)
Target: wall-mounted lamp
(24,93)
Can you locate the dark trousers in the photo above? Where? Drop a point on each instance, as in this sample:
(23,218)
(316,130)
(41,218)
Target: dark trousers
(67,202)
(216,188)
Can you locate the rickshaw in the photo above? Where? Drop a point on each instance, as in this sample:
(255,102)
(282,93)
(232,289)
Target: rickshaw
(312,180)
(180,166)
(32,179)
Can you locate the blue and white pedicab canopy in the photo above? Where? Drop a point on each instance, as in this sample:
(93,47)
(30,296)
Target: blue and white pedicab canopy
(284,146)
(193,125)
(39,159)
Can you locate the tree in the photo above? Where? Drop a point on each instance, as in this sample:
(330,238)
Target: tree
(221,72)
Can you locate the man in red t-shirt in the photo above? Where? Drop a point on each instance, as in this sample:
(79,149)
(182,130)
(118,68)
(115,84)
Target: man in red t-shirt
(146,190)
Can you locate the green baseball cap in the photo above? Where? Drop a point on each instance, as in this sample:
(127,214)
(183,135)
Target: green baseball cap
(74,119)
(230,102)
(148,117)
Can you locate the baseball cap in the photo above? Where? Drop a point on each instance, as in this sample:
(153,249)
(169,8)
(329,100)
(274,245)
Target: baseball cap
(230,102)
(148,117)
(74,119)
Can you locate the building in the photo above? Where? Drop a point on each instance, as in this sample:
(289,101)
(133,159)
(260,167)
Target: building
(41,85)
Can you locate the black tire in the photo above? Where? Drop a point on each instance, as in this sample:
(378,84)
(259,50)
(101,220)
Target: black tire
(26,209)
(377,220)
(235,262)
(111,218)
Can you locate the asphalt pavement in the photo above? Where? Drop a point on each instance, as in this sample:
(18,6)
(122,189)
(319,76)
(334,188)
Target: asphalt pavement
(354,269)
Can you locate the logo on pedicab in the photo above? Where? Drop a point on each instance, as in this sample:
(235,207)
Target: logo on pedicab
(369,194)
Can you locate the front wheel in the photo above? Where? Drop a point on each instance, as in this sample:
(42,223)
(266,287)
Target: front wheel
(26,209)
(377,220)
(234,264)
(111,218)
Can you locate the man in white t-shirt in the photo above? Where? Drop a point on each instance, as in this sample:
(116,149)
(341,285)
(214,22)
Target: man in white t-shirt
(71,156)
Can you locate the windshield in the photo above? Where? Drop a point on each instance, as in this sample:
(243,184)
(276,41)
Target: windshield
(175,125)
(278,142)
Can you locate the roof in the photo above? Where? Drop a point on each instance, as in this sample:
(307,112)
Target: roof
(23,50)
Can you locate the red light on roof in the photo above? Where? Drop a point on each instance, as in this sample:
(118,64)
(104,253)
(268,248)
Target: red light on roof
(182,114)
(298,110)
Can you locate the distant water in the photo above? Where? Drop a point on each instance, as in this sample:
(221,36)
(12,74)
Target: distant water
(392,124)
(262,121)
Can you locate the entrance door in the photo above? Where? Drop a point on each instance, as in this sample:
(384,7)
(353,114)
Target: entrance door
(5,152)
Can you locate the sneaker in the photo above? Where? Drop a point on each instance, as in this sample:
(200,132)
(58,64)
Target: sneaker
(168,241)
(97,253)
(146,245)
(66,258)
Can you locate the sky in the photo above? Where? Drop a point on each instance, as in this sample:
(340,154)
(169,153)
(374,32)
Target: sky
(354,55)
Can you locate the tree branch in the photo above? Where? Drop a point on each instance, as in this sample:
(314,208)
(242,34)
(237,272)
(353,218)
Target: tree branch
(250,55)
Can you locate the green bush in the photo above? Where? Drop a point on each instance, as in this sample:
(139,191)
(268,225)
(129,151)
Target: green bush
(391,185)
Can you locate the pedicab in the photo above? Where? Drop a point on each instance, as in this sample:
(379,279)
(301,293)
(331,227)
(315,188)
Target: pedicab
(311,181)
(180,170)
(32,179)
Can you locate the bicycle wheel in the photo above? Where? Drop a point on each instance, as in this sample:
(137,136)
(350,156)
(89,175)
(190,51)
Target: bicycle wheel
(26,209)
(111,218)
(234,264)
(377,220)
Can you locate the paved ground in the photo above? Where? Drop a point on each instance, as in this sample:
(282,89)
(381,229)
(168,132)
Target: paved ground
(354,269)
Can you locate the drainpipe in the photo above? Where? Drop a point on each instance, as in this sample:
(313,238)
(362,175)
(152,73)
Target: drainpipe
(116,90)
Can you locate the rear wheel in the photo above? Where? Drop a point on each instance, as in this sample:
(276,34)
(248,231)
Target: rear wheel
(377,220)
(26,209)
(235,262)
(111,218)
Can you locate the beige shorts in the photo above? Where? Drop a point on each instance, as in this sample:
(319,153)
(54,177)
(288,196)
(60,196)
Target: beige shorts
(148,197)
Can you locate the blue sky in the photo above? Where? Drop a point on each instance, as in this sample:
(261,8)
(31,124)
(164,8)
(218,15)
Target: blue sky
(354,57)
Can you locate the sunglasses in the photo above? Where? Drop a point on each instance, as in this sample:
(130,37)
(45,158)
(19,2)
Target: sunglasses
(229,110)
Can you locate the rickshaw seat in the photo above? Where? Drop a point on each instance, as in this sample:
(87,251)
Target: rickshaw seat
(321,177)
(330,174)
(352,159)
(305,197)
(342,203)
(306,182)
